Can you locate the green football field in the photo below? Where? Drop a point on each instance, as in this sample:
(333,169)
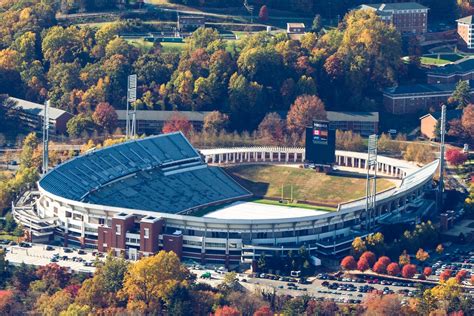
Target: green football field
(308,185)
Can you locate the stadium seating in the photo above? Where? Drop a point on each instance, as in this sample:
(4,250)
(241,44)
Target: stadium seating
(162,173)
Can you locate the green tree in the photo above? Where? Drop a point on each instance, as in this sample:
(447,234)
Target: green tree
(262,263)
(206,38)
(79,124)
(62,45)
(317,24)
(461,94)
(245,101)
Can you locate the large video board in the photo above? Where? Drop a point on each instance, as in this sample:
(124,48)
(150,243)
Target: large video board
(320,144)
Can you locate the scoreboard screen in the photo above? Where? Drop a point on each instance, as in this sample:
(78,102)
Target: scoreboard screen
(320,144)
(320,132)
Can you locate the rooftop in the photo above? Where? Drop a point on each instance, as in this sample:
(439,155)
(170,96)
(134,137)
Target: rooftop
(252,210)
(466,20)
(450,115)
(36,108)
(454,68)
(300,25)
(353,116)
(161,173)
(149,115)
(393,6)
(424,88)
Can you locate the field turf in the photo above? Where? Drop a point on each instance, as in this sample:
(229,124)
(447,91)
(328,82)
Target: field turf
(308,185)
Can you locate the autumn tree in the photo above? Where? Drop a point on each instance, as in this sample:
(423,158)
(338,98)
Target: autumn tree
(369,256)
(304,110)
(404,258)
(375,242)
(263,311)
(215,122)
(393,269)
(348,140)
(439,249)
(427,271)
(263,13)
(272,128)
(54,277)
(467,120)
(178,122)
(384,260)
(422,255)
(149,280)
(105,117)
(362,264)
(379,267)
(456,157)
(382,304)
(445,275)
(408,270)
(348,263)
(226,311)
(358,246)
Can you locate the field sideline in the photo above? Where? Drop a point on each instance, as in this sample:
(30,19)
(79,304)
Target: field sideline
(266,181)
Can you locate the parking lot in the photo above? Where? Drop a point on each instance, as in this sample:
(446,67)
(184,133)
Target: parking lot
(40,255)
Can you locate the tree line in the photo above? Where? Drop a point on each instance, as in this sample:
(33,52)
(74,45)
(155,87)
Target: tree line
(78,68)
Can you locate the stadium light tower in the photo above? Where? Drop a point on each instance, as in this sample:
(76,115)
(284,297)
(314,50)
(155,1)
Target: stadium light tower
(131,123)
(45,137)
(439,200)
(371,186)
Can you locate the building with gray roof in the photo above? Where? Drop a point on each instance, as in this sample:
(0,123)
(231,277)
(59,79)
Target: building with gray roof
(452,73)
(31,116)
(418,97)
(151,121)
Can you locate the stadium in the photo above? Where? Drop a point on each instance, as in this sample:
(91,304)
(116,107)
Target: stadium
(145,195)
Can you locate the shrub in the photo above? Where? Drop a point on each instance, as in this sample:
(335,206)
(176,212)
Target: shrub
(348,263)
(379,267)
(384,260)
(393,269)
(369,256)
(408,270)
(427,271)
(362,264)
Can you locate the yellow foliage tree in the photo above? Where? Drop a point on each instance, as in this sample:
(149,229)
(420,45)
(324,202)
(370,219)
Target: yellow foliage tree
(149,281)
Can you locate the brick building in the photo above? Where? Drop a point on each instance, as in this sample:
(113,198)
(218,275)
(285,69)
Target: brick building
(364,123)
(452,73)
(418,97)
(31,114)
(406,17)
(465,31)
(151,122)
(428,122)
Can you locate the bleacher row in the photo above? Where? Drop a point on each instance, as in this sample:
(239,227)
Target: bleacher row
(131,175)
(153,191)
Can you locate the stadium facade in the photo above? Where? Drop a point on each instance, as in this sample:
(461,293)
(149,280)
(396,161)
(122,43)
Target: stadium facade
(157,193)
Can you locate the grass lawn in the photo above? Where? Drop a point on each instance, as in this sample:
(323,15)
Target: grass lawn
(146,46)
(5,236)
(267,181)
(441,59)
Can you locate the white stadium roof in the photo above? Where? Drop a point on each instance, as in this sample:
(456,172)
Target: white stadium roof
(252,210)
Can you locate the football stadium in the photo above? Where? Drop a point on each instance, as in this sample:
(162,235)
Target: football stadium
(145,195)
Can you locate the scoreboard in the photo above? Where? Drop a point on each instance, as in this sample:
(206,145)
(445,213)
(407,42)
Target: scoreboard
(320,144)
